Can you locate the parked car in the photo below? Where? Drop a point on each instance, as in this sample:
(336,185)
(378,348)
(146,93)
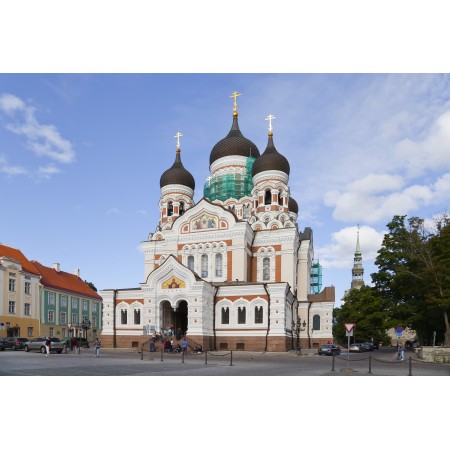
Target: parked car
(369,346)
(2,344)
(39,345)
(329,349)
(16,343)
(82,342)
(357,348)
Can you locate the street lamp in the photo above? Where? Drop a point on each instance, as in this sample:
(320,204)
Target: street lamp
(86,325)
(69,326)
(297,327)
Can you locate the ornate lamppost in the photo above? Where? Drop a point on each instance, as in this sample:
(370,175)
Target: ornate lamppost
(69,326)
(297,327)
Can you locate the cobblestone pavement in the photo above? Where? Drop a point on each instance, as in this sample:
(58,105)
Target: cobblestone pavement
(122,362)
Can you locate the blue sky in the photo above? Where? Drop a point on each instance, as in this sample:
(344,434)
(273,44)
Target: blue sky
(81,156)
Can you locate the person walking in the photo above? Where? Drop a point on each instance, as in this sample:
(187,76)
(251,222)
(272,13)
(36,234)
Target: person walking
(401,352)
(48,343)
(97,346)
(75,345)
(152,344)
(184,346)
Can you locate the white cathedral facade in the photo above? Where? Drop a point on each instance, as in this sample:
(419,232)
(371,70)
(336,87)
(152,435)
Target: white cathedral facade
(232,271)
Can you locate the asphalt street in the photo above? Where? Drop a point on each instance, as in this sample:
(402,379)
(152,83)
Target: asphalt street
(123,362)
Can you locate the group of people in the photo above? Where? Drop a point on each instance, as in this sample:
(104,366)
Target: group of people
(169,346)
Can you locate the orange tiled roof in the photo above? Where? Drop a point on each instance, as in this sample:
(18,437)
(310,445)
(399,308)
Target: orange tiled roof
(16,254)
(65,281)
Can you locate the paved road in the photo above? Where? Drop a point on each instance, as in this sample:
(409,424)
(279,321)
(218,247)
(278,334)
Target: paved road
(121,362)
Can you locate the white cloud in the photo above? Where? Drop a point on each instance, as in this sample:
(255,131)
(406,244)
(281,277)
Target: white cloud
(340,252)
(44,140)
(11,170)
(114,211)
(47,171)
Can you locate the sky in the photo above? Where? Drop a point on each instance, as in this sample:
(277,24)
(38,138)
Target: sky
(91,96)
(81,156)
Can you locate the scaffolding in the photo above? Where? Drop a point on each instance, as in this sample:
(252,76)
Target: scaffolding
(231,185)
(315,278)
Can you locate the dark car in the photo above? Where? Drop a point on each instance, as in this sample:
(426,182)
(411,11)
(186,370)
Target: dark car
(39,345)
(369,346)
(16,343)
(329,349)
(2,344)
(81,342)
(357,348)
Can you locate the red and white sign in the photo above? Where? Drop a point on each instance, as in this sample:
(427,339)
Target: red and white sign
(349,326)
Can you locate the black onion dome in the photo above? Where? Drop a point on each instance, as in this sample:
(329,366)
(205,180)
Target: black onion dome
(233,144)
(270,160)
(292,205)
(177,174)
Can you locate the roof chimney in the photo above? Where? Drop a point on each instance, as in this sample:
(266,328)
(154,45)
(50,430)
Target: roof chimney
(77,273)
(56,266)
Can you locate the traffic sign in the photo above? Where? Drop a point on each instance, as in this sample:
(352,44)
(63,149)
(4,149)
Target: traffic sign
(349,326)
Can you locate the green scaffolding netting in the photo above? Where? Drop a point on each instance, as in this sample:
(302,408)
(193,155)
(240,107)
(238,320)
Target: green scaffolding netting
(316,278)
(233,185)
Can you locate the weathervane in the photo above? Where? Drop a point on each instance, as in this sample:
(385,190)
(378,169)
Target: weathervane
(234,95)
(270,117)
(178,135)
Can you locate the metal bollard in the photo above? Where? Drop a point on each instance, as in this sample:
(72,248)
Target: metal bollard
(142,353)
(410,367)
(206,357)
(162,353)
(332,365)
(231,358)
(370,363)
(182,357)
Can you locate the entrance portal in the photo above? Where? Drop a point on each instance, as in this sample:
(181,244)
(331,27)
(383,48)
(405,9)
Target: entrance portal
(181,317)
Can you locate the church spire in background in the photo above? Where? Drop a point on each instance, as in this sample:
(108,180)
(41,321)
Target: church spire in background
(358,269)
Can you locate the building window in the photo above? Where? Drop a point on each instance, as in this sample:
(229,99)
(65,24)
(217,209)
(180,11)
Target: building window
(182,208)
(85,305)
(63,332)
(258,314)
(51,298)
(51,332)
(123,316)
(316,322)
(137,316)
(30,331)
(74,303)
(51,315)
(225,316)
(204,266)
(94,306)
(27,309)
(268,197)
(63,318)
(27,287)
(266,269)
(74,319)
(63,301)
(12,307)
(190,263)
(12,285)
(218,264)
(94,321)
(241,314)
(170,209)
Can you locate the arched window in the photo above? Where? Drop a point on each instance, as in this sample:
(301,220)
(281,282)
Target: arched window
(137,316)
(182,208)
(258,314)
(241,314)
(204,266)
(123,316)
(268,197)
(170,209)
(190,263)
(266,269)
(218,264)
(225,315)
(316,322)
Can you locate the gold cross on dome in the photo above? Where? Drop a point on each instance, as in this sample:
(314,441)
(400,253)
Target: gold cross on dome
(178,135)
(234,95)
(270,117)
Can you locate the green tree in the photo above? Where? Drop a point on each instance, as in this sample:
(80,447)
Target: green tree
(91,285)
(365,307)
(413,275)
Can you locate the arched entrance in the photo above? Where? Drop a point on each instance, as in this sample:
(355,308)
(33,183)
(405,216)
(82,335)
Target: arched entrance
(181,316)
(177,318)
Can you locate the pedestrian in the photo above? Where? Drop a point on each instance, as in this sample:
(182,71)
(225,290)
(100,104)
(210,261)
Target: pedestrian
(48,344)
(401,351)
(97,346)
(152,344)
(184,345)
(75,345)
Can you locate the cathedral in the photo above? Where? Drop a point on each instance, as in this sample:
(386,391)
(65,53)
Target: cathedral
(232,271)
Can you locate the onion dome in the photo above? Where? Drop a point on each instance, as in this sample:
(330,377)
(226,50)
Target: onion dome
(234,144)
(177,174)
(270,160)
(293,206)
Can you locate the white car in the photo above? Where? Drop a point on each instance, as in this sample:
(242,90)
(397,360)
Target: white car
(39,345)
